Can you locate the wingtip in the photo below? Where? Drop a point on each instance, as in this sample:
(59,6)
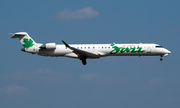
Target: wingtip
(65,44)
(63,41)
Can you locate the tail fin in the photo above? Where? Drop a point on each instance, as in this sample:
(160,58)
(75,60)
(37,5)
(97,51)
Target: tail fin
(25,39)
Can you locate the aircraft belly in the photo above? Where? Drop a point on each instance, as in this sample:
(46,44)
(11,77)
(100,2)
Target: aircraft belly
(135,54)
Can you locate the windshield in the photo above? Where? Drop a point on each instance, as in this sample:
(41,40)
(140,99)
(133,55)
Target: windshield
(158,46)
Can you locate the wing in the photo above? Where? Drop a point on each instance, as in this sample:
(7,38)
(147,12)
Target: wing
(81,52)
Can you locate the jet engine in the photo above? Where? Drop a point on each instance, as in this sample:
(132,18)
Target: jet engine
(48,46)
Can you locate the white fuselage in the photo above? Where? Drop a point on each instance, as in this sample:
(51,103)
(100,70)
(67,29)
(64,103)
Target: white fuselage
(87,51)
(103,50)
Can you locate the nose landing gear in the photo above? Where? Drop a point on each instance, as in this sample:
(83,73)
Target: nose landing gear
(161,58)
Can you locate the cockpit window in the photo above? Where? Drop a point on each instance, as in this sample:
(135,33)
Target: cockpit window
(158,46)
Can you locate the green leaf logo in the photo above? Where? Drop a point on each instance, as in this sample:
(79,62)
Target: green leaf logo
(27,43)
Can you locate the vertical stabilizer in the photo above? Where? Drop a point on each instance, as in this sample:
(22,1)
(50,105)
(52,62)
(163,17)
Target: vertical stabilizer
(25,39)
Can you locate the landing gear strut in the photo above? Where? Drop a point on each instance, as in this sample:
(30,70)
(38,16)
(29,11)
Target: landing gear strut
(161,58)
(83,59)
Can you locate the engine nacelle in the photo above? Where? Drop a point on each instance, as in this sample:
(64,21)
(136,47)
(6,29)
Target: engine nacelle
(49,46)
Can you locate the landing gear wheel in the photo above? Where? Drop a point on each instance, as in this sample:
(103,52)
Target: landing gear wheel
(84,61)
(161,59)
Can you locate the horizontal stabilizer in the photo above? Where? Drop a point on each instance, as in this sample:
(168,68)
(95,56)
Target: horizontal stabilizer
(19,34)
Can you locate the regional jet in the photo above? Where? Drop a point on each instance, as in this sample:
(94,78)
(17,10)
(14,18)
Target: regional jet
(88,51)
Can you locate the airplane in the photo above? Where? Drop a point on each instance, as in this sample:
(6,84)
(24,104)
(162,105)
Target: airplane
(88,51)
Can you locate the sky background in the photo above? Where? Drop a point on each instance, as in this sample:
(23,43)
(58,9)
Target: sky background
(32,81)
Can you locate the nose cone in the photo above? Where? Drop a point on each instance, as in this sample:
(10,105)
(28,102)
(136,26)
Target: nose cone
(167,51)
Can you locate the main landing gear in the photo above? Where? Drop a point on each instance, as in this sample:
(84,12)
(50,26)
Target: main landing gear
(83,59)
(161,58)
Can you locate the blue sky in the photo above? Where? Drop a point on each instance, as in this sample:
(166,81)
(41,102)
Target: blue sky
(28,80)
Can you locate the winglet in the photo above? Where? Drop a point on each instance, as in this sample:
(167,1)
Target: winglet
(65,44)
